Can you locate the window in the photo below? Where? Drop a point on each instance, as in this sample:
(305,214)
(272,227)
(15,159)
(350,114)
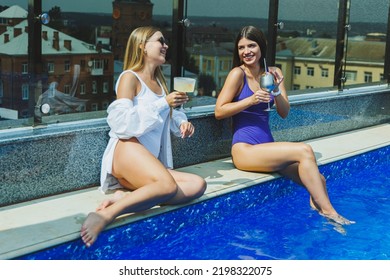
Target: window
(24,68)
(94,107)
(94,87)
(208,65)
(105,105)
(50,67)
(105,87)
(310,71)
(98,64)
(325,72)
(25,92)
(297,70)
(350,75)
(367,77)
(82,88)
(67,89)
(67,66)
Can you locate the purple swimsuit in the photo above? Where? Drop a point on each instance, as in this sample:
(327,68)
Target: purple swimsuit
(251,125)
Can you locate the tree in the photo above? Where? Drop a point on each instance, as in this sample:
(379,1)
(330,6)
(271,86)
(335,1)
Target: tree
(206,84)
(56,18)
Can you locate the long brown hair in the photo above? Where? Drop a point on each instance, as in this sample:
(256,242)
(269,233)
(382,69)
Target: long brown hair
(253,34)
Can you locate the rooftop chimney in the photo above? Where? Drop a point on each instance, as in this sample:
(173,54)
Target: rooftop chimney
(17,32)
(68,44)
(56,41)
(56,44)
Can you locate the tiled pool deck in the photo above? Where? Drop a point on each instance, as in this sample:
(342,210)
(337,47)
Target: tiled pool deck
(41,223)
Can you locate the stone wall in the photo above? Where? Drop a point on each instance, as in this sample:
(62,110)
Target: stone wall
(58,158)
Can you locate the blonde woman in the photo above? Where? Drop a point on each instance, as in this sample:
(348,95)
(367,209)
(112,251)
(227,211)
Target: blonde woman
(138,157)
(253,147)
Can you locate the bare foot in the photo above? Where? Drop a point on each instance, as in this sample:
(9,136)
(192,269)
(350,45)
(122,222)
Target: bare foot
(334,217)
(117,195)
(338,219)
(92,226)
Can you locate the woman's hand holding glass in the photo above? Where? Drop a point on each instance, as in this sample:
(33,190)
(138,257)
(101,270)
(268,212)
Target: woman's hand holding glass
(277,80)
(269,82)
(176,99)
(260,96)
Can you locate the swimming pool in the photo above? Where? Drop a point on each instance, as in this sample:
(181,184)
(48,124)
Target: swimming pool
(268,221)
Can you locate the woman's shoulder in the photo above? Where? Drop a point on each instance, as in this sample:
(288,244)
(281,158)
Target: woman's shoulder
(129,76)
(237,73)
(127,83)
(238,70)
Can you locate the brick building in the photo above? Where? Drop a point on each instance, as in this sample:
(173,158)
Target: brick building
(79,71)
(128,15)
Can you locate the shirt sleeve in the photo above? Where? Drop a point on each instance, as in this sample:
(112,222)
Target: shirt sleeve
(177,119)
(127,121)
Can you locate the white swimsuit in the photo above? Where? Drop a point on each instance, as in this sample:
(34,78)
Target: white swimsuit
(146,118)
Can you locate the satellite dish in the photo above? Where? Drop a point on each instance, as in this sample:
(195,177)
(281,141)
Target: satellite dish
(45,108)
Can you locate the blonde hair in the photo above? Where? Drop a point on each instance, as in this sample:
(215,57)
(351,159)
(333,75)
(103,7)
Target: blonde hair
(135,56)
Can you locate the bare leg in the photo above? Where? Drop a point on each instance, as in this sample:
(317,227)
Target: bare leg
(292,172)
(190,186)
(117,195)
(294,160)
(151,184)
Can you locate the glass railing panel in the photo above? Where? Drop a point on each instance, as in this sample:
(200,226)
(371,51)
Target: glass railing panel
(366,43)
(305,49)
(82,56)
(209,42)
(82,52)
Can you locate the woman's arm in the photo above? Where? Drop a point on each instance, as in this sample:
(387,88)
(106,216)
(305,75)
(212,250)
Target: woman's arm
(127,120)
(178,118)
(224,106)
(281,101)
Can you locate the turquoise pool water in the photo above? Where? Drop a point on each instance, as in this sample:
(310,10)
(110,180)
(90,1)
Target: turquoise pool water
(272,220)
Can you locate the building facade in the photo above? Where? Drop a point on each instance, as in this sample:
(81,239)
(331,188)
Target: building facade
(76,76)
(128,15)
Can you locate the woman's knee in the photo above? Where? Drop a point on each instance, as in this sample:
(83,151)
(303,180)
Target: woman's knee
(201,185)
(307,151)
(167,187)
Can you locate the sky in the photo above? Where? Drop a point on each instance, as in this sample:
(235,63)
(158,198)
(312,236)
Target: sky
(319,10)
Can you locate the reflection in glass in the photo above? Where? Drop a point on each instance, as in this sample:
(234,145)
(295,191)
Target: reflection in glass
(366,42)
(67,63)
(59,102)
(90,46)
